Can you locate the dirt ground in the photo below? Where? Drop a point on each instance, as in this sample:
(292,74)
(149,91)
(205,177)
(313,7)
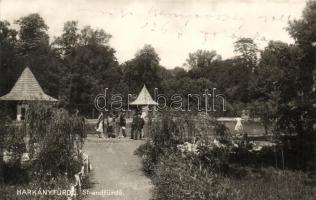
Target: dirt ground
(116,173)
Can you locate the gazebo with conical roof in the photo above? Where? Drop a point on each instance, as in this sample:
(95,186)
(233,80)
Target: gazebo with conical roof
(145,100)
(26,89)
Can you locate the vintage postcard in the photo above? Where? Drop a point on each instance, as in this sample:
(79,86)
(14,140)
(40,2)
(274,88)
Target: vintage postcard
(157,99)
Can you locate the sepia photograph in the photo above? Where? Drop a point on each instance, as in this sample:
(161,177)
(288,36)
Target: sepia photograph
(157,99)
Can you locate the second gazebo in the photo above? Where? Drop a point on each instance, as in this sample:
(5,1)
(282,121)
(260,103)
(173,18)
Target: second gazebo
(144,101)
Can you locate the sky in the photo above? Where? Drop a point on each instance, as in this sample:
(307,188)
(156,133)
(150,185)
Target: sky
(174,28)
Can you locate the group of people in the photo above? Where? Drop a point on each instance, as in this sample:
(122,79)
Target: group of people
(114,125)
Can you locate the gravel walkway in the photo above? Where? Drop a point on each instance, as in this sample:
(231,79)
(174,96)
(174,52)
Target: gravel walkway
(116,173)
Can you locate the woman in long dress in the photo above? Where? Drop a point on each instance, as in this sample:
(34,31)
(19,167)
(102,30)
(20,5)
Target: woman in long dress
(100,125)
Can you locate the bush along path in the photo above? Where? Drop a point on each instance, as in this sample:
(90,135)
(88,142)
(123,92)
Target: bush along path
(117,173)
(205,168)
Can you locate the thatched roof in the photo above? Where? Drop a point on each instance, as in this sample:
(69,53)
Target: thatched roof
(144,98)
(27,88)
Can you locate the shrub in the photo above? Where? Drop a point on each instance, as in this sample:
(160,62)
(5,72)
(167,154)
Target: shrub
(213,167)
(4,119)
(216,159)
(56,133)
(181,178)
(54,138)
(222,133)
(149,157)
(166,133)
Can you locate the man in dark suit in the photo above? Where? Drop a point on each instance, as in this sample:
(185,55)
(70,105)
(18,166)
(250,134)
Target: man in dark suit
(137,126)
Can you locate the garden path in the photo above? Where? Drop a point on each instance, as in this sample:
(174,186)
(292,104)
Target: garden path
(117,173)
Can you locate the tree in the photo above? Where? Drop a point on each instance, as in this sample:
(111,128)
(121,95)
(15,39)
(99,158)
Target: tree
(201,59)
(274,78)
(143,69)
(246,51)
(69,38)
(303,32)
(178,72)
(230,76)
(33,50)
(33,33)
(190,90)
(234,81)
(8,58)
(303,110)
(91,36)
(89,63)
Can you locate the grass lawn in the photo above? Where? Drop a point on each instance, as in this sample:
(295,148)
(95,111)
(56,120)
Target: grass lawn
(271,184)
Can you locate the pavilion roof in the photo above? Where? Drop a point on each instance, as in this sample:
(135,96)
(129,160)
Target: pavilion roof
(27,88)
(144,98)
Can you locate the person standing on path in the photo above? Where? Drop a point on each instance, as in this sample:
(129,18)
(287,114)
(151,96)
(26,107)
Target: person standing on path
(110,126)
(138,126)
(100,125)
(122,124)
(133,128)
